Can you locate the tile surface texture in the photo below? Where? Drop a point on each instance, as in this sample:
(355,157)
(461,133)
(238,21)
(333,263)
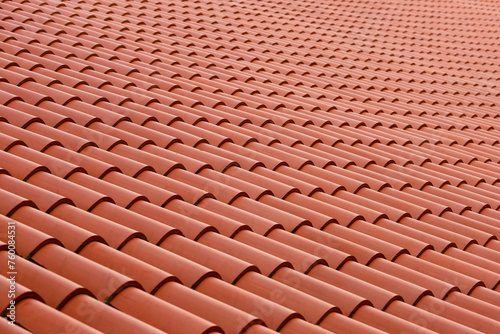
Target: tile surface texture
(250,166)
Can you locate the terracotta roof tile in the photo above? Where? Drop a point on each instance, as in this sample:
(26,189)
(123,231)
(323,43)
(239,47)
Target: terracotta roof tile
(322,162)
(126,300)
(46,317)
(313,309)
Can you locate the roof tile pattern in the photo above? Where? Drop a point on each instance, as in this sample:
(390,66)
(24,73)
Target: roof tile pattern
(251,166)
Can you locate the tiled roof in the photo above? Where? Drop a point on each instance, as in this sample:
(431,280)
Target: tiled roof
(300,166)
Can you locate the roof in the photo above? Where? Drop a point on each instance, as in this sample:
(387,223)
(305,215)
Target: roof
(250,166)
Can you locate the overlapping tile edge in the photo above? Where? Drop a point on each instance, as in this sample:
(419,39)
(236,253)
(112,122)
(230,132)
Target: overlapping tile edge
(250,166)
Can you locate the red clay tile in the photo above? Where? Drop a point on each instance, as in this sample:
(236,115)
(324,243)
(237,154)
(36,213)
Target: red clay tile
(289,221)
(427,319)
(439,288)
(38,317)
(303,186)
(262,184)
(157,195)
(22,293)
(253,159)
(387,249)
(301,260)
(54,290)
(487,295)
(217,186)
(448,220)
(313,309)
(103,317)
(336,322)
(66,137)
(413,245)
(33,239)
(92,166)
(473,259)
(127,166)
(150,278)
(194,165)
(7,142)
(272,313)
(416,211)
(21,169)
(85,198)
(158,138)
(31,139)
(154,230)
(5,326)
(190,273)
(187,192)
(191,228)
(229,267)
(473,304)
(43,199)
(326,205)
(186,137)
(346,301)
(402,285)
(153,313)
(296,326)
(386,321)
(29,96)
(58,167)
(196,303)
(266,263)
(317,219)
(105,285)
(72,237)
(330,174)
(17,117)
(104,115)
(257,223)
(372,210)
(115,235)
(293,161)
(464,282)
(116,135)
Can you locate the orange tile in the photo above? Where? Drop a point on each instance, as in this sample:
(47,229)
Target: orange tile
(257,223)
(296,326)
(43,199)
(53,289)
(313,309)
(426,318)
(262,184)
(220,186)
(229,267)
(272,313)
(386,321)
(287,220)
(61,168)
(37,317)
(71,236)
(336,322)
(186,192)
(177,321)
(103,317)
(32,139)
(346,301)
(53,258)
(229,318)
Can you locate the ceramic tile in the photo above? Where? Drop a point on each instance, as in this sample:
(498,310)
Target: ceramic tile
(311,168)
